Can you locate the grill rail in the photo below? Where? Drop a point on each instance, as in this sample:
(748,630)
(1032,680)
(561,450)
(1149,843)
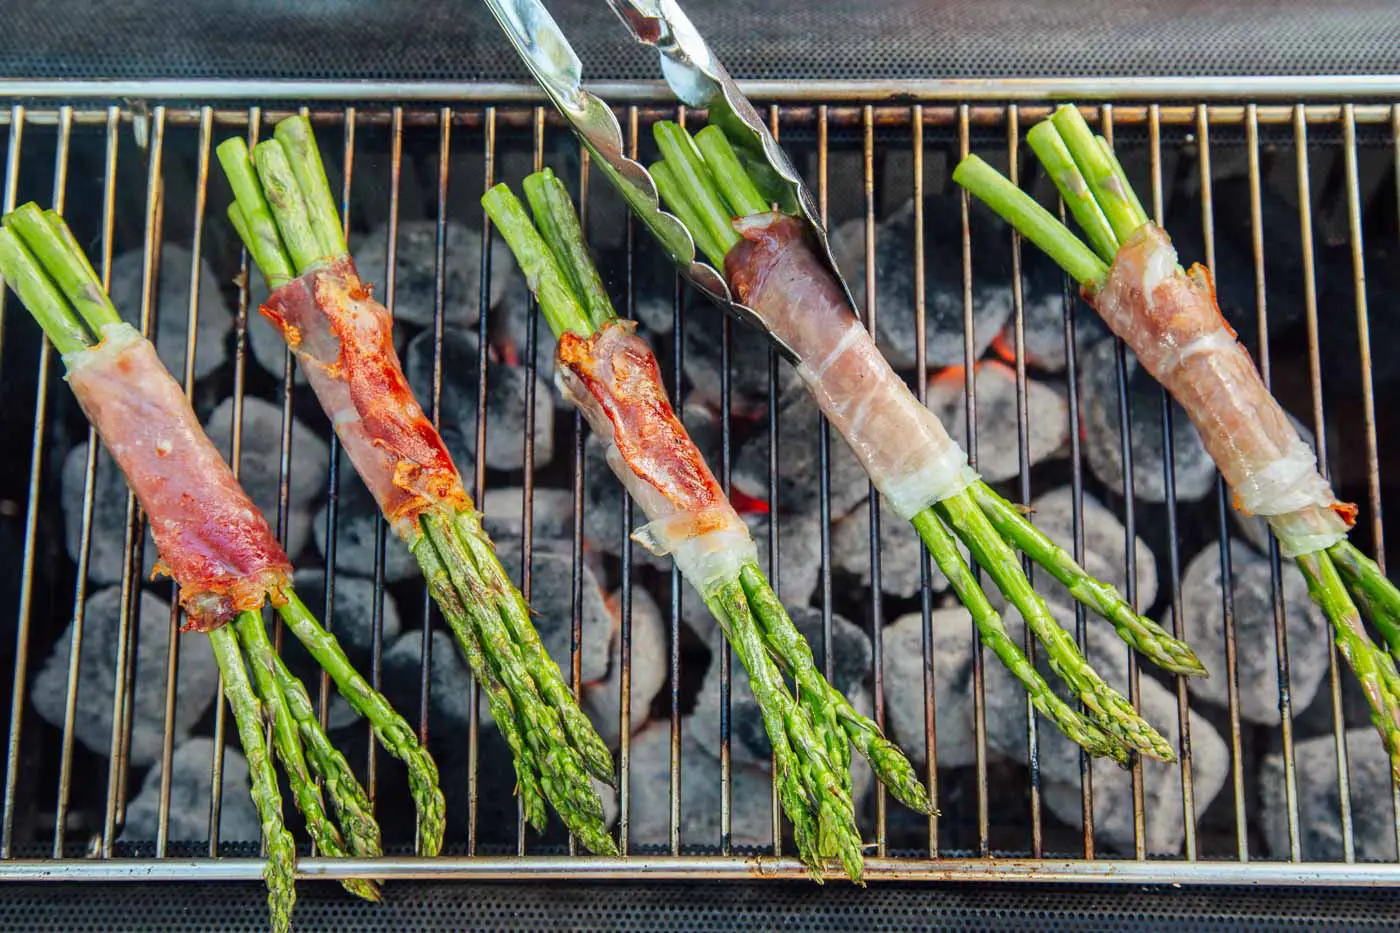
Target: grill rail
(505,129)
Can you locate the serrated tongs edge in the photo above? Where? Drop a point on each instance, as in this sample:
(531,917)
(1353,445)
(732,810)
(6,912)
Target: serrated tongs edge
(698,78)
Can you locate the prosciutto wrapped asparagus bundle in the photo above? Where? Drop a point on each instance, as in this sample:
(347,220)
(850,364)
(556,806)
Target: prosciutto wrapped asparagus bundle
(1170,319)
(342,337)
(916,466)
(611,375)
(225,559)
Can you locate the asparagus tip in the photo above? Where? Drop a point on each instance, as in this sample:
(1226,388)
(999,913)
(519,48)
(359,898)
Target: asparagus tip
(363,888)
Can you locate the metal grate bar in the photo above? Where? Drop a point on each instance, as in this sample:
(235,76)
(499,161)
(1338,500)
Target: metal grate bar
(916,125)
(843,136)
(1076,459)
(823,459)
(625,623)
(36,462)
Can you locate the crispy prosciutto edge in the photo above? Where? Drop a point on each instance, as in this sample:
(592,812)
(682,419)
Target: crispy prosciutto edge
(1172,321)
(212,540)
(614,380)
(902,445)
(344,340)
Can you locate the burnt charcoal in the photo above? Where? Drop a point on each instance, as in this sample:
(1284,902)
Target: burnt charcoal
(1006,698)
(352,624)
(654,290)
(260,463)
(895,294)
(1256,659)
(415,285)
(1234,271)
(552,512)
(1043,317)
(852,657)
(106,558)
(953,641)
(657,314)
(602,699)
(191,789)
(1113,795)
(450,690)
(901,553)
(1104,539)
(1195,471)
(259,460)
(171,315)
(799,553)
(1162,801)
(702,362)
(998,431)
(506,390)
(1319,799)
(799,462)
(751,818)
(449,684)
(196,685)
(357,517)
(552,608)
(509,329)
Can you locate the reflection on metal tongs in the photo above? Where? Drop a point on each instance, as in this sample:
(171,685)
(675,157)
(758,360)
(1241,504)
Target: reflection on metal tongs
(700,81)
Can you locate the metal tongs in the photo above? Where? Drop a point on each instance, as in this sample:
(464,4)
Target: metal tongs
(699,80)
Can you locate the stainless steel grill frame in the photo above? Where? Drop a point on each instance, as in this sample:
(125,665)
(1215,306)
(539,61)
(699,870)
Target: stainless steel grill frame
(153,109)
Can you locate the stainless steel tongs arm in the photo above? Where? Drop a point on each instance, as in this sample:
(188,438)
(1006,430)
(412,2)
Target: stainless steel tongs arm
(699,80)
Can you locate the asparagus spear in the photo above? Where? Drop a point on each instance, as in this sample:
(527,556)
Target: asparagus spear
(502,711)
(287,742)
(562,769)
(394,733)
(353,810)
(41,259)
(280,872)
(288,219)
(1101,199)
(812,750)
(708,188)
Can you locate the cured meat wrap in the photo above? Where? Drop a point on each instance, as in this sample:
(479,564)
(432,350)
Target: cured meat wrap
(212,540)
(901,444)
(343,338)
(1171,319)
(613,378)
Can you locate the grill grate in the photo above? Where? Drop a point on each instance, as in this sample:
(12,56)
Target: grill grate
(134,176)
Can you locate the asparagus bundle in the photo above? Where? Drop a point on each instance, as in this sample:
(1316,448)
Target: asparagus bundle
(612,376)
(1171,320)
(910,458)
(220,551)
(284,212)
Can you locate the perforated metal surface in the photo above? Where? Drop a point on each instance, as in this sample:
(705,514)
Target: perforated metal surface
(831,39)
(666,907)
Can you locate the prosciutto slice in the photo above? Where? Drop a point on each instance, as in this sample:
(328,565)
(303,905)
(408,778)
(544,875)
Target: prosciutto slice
(614,380)
(1172,321)
(902,445)
(344,340)
(212,539)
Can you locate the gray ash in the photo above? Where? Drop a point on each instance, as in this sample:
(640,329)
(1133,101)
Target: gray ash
(1195,471)
(171,313)
(895,295)
(507,387)
(195,689)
